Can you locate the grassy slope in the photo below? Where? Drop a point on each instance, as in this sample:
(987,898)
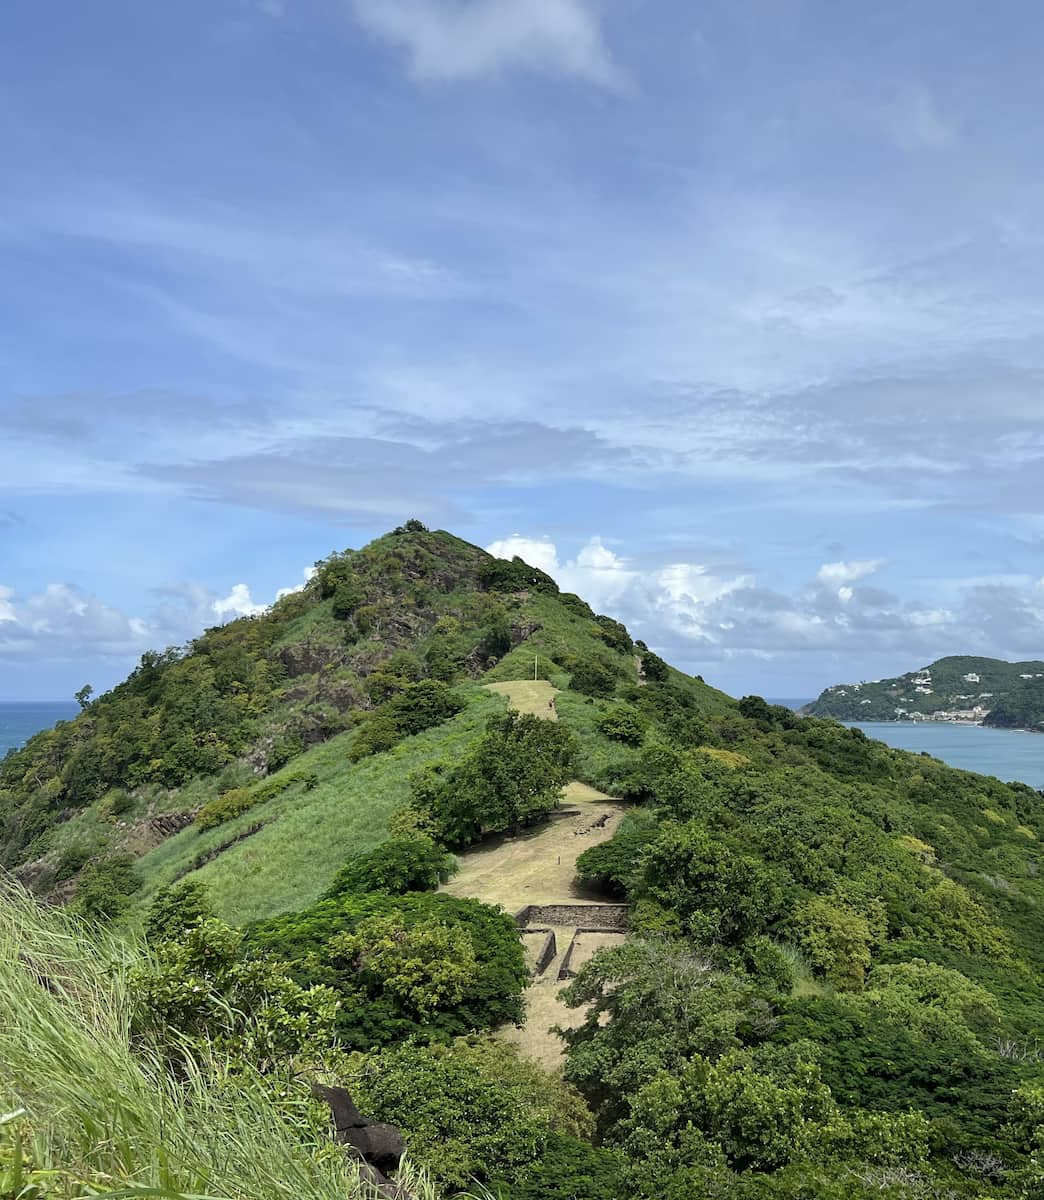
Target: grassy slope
(308,835)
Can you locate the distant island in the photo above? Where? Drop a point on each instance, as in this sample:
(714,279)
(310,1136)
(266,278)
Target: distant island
(961,689)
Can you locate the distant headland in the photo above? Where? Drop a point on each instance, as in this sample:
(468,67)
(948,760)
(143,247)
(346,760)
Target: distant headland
(960,689)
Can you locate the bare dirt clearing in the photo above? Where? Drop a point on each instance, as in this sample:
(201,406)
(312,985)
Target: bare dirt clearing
(539,866)
(534,696)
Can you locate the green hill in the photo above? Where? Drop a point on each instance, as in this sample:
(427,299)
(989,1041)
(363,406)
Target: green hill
(986,691)
(832,985)
(263,753)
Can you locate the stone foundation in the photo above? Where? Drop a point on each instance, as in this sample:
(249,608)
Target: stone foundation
(596,918)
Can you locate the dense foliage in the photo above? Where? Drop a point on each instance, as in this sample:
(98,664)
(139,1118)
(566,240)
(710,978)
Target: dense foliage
(513,777)
(415,965)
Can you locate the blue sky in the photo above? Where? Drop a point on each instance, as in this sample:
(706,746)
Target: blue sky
(729,313)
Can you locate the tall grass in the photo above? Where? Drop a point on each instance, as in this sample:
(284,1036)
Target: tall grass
(103,1113)
(308,836)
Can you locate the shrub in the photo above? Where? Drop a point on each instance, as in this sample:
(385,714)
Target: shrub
(285,748)
(115,803)
(623,723)
(418,706)
(71,860)
(470,1110)
(347,598)
(414,864)
(371,1014)
(175,909)
(591,677)
(615,634)
(105,888)
(837,939)
(228,805)
(654,668)
(425,965)
(501,575)
(512,777)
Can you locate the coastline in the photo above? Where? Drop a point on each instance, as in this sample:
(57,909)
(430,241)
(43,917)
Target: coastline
(927,720)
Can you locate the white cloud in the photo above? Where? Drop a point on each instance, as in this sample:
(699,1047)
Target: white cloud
(836,573)
(676,595)
(538,552)
(597,573)
(468,39)
(698,613)
(307,572)
(63,623)
(916,122)
(238,603)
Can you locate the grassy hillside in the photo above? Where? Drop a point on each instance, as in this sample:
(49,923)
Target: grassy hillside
(833,985)
(273,718)
(998,693)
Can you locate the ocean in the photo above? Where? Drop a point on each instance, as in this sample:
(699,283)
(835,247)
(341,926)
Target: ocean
(1009,754)
(20,719)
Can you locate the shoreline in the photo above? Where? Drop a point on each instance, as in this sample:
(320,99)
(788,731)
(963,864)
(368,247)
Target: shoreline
(941,721)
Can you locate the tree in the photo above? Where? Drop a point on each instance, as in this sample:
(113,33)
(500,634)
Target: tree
(653,1004)
(716,894)
(83,696)
(591,677)
(105,888)
(512,777)
(838,938)
(654,669)
(469,1110)
(174,910)
(198,989)
(427,966)
(405,864)
(623,723)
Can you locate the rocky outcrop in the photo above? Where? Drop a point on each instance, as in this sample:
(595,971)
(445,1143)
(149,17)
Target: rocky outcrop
(377,1147)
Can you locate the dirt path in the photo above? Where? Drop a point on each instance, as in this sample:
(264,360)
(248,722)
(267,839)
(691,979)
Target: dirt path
(539,867)
(534,696)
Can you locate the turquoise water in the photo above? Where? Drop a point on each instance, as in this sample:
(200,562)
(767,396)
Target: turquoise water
(20,719)
(1009,754)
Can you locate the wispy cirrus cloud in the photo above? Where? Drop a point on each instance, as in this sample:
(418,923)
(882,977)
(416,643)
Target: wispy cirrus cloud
(469,39)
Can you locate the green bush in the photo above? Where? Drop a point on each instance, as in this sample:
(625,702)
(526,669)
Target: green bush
(104,889)
(472,1110)
(623,723)
(228,805)
(654,668)
(400,865)
(591,677)
(371,1014)
(418,706)
(502,575)
(174,910)
(512,777)
(71,861)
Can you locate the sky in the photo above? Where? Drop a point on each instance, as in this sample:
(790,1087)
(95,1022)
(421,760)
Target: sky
(729,313)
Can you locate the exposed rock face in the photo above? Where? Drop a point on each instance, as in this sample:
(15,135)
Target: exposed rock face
(379,1147)
(522,631)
